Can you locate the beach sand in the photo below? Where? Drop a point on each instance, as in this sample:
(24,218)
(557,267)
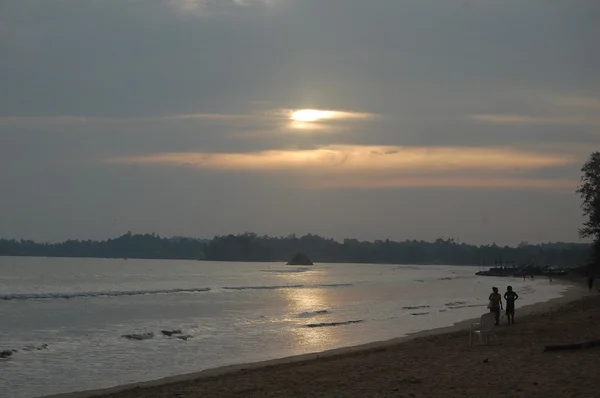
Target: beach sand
(436,363)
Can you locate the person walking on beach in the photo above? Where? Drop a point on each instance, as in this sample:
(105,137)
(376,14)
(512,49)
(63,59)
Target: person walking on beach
(591,281)
(495,304)
(510,296)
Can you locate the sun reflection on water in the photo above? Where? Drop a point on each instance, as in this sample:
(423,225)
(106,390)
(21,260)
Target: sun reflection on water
(310,339)
(306,300)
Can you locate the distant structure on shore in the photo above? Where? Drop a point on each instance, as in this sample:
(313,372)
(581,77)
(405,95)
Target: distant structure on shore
(523,270)
(300,259)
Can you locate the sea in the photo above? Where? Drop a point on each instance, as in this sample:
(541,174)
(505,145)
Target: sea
(76,324)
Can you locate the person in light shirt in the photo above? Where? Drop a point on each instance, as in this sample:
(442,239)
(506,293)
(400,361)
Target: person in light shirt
(495,304)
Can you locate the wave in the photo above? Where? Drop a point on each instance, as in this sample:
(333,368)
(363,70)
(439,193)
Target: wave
(407,267)
(263,287)
(107,293)
(454,303)
(175,333)
(285,271)
(118,293)
(526,290)
(466,306)
(334,285)
(274,287)
(419,313)
(328,324)
(310,314)
(416,307)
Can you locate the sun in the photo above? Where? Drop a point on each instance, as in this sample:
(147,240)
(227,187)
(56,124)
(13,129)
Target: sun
(309,115)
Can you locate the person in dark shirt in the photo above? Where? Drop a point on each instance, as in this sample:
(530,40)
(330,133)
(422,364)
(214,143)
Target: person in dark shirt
(495,304)
(510,296)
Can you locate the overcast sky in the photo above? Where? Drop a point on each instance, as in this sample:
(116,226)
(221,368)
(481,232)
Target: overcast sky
(465,119)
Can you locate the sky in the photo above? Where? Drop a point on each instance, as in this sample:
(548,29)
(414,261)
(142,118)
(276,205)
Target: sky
(399,119)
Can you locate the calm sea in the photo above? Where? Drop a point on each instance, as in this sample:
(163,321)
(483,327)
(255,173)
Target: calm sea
(67,317)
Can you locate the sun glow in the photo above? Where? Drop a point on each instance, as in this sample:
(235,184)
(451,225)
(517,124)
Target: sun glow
(310,115)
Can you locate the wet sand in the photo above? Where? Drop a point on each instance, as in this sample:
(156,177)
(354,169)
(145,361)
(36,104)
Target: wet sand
(428,364)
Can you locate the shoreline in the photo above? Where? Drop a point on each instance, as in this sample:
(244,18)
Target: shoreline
(573,293)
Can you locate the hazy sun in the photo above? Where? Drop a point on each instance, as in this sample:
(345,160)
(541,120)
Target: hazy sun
(309,115)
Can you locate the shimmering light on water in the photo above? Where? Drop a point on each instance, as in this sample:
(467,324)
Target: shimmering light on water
(232,313)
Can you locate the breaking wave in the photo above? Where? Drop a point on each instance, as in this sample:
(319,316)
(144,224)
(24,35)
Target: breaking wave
(263,287)
(328,324)
(455,307)
(39,296)
(310,314)
(118,293)
(334,285)
(454,303)
(405,267)
(286,271)
(285,286)
(527,290)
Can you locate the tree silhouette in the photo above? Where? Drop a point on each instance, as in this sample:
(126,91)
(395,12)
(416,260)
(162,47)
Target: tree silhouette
(589,191)
(252,247)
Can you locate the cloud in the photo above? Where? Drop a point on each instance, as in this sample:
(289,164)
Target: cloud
(579,102)
(485,182)
(378,166)
(248,125)
(351,158)
(512,119)
(83,120)
(207,6)
(557,110)
(187,5)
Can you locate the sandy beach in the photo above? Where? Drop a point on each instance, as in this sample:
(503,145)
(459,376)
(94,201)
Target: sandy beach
(428,364)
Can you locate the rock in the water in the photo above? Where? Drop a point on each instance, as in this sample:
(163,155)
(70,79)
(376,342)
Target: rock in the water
(187,336)
(300,259)
(170,332)
(5,354)
(138,336)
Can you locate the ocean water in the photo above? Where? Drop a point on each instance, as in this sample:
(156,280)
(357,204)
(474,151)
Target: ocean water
(67,317)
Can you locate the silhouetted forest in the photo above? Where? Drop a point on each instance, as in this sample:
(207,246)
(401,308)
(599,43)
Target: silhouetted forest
(125,246)
(252,247)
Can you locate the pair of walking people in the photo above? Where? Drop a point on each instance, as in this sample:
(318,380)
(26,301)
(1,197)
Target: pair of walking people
(495,304)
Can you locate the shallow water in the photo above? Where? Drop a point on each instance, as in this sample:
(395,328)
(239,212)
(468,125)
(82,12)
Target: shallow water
(227,313)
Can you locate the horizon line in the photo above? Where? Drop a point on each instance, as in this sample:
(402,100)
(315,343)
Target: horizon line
(339,241)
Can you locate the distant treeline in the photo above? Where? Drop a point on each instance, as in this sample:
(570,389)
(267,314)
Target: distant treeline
(251,247)
(126,246)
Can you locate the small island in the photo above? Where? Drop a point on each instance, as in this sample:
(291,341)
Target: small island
(300,259)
